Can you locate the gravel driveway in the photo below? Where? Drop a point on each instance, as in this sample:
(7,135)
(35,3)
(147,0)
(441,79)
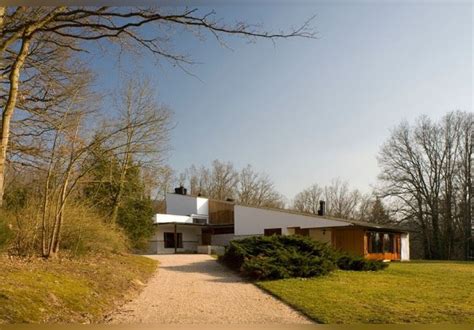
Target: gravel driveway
(190,289)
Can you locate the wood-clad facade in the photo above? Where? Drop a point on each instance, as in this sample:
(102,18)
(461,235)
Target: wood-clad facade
(349,239)
(371,244)
(220,212)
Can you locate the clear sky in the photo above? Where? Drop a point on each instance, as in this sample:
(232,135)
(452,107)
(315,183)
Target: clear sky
(306,111)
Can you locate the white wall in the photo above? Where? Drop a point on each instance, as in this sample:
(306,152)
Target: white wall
(202,206)
(191,239)
(180,204)
(160,218)
(186,205)
(405,242)
(253,221)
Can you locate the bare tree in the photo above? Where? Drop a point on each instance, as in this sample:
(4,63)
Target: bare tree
(257,189)
(222,181)
(425,167)
(198,179)
(26,29)
(341,202)
(307,201)
(142,132)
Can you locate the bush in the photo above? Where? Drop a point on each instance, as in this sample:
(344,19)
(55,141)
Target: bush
(136,219)
(277,257)
(347,262)
(84,231)
(6,234)
(19,230)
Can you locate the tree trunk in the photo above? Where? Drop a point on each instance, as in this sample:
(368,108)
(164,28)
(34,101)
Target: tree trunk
(44,240)
(2,16)
(118,196)
(58,221)
(10,105)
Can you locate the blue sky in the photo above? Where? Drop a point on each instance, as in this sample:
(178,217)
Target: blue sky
(306,111)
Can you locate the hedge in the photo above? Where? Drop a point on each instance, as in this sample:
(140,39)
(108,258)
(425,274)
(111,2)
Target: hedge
(279,257)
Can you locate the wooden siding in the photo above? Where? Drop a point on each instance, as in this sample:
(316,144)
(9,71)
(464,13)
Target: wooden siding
(355,240)
(302,231)
(221,213)
(349,240)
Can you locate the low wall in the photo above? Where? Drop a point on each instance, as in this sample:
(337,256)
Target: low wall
(210,249)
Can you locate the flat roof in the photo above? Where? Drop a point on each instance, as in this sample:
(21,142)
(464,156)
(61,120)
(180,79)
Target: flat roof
(316,216)
(193,224)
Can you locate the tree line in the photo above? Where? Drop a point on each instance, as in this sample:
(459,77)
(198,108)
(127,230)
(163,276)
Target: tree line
(425,185)
(426,170)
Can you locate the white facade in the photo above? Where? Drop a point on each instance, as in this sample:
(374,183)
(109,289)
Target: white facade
(202,206)
(253,221)
(186,205)
(166,218)
(191,239)
(405,247)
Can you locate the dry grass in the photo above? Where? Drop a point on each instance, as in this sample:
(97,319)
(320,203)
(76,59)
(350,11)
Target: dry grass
(416,292)
(68,290)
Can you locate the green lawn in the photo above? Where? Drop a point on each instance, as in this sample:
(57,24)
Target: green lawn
(81,290)
(415,292)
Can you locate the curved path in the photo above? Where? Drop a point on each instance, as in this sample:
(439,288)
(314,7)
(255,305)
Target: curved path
(195,288)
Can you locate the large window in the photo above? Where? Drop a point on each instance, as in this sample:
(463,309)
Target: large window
(388,243)
(169,240)
(375,242)
(381,242)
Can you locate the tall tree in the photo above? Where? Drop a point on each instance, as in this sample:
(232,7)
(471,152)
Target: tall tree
(26,29)
(378,213)
(425,167)
(142,132)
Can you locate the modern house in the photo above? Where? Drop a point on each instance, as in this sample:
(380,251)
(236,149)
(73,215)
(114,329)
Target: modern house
(198,224)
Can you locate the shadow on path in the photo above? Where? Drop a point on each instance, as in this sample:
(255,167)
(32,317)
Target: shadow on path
(209,268)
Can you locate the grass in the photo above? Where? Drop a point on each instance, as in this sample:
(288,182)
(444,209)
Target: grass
(79,291)
(415,292)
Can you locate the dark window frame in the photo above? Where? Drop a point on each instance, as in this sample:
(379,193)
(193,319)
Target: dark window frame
(168,238)
(272,231)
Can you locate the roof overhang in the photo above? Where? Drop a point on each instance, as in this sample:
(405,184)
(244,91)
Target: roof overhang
(195,224)
(181,224)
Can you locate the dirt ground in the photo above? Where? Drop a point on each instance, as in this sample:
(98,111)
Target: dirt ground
(196,289)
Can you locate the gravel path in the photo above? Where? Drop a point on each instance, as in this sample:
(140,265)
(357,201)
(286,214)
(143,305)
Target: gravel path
(190,289)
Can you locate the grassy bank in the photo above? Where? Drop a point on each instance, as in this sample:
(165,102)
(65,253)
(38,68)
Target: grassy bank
(80,290)
(422,292)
